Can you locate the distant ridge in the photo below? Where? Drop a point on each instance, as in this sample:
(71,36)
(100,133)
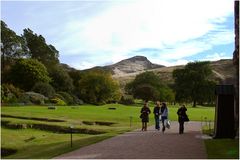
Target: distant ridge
(131,65)
(223,72)
(126,70)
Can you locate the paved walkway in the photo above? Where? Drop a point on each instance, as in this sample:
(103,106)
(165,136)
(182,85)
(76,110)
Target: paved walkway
(151,144)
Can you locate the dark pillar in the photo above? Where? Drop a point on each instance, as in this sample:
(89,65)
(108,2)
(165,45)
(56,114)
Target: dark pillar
(224,113)
(236,63)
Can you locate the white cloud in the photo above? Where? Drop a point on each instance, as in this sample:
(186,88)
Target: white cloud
(188,27)
(103,32)
(82,65)
(170,63)
(215,57)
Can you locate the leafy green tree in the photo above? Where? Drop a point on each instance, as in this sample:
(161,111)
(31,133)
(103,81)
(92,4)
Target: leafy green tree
(98,87)
(26,72)
(146,91)
(76,76)
(207,93)
(183,93)
(12,45)
(148,86)
(47,54)
(61,80)
(166,94)
(192,83)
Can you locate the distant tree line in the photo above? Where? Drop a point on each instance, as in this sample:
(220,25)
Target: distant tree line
(192,84)
(31,73)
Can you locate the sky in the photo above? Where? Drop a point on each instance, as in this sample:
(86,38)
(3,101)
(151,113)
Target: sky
(97,33)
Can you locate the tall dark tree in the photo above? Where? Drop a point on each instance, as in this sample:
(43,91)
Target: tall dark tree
(47,54)
(12,45)
(61,81)
(76,76)
(192,83)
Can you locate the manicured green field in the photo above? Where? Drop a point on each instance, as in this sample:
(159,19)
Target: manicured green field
(35,143)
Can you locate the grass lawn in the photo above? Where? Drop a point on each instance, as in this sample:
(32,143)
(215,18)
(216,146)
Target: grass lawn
(222,148)
(35,143)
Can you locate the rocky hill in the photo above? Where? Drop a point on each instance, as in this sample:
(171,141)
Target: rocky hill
(223,72)
(126,70)
(132,65)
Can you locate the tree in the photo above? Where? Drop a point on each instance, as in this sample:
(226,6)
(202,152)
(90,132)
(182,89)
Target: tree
(61,80)
(146,92)
(183,93)
(12,45)
(98,87)
(192,83)
(166,94)
(26,72)
(148,86)
(76,76)
(47,54)
(207,92)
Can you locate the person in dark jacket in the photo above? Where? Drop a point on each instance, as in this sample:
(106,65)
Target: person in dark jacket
(145,111)
(156,112)
(164,115)
(182,117)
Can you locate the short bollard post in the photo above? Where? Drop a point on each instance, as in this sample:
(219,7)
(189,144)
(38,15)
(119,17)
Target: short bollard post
(206,123)
(71,130)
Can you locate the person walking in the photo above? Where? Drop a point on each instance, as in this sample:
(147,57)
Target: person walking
(156,112)
(145,111)
(164,115)
(182,117)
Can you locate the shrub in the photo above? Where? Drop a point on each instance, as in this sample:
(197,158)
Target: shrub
(44,89)
(56,95)
(76,100)
(10,93)
(127,100)
(57,101)
(67,97)
(32,97)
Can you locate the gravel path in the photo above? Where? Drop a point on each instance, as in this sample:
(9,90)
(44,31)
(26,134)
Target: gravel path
(151,144)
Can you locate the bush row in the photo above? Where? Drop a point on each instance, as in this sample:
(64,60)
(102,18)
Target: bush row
(41,94)
(44,94)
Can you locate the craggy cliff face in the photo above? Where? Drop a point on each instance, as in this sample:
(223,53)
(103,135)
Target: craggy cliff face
(131,65)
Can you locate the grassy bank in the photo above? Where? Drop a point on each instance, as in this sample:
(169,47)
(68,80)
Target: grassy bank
(222,148)
(107,120)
